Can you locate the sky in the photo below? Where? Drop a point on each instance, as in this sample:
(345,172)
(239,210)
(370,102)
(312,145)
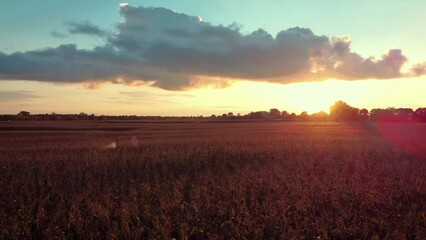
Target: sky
(198,57)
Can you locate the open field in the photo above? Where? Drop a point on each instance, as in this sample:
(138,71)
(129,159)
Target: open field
(250,180)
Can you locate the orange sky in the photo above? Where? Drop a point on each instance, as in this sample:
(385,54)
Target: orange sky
(240,97)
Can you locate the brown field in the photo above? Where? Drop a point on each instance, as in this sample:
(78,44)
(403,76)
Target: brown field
(242,180)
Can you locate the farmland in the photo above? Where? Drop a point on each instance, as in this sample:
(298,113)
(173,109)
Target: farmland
(212,180)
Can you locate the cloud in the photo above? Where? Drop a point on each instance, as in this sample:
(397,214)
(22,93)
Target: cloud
(146,94)
(418,69)
(57,34)
(85,28)
(62,64)
(170,50)
(141,97)
(350,65)
(14,96)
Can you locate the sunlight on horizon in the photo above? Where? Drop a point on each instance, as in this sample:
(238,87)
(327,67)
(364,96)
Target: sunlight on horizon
(241,97)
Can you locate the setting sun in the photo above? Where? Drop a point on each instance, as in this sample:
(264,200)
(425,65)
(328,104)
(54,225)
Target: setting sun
(196,120)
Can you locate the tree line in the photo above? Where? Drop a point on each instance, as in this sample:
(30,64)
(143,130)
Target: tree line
(339,111)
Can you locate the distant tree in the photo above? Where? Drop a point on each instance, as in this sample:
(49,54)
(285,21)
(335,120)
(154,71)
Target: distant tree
(285,115)
(54,116)
(364,114)
(230,114)
(303,116)
(292,116)
(392,114)
(341,111)
(82,116)
(258,115)
(92,117)
(274,113)
(420,114)
(378,113)
(319,117)
(405,114)
(23,115)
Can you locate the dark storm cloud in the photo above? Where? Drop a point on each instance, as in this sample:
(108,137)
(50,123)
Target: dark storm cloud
(175,51)
(85,28)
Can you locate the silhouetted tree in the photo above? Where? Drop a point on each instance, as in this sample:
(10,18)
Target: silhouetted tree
(292,116)
(23,115)
(341,111)
(274,113)
(392,114)
(405,114)
(421,114)
(319,117)
(378,113)
(285,115)
(364,114)
(82,116)
(303,116)
(258,115)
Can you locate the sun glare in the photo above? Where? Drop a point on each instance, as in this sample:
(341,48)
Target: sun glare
(311,97)
(246,96)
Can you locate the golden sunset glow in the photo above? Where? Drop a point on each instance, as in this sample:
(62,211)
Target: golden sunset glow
(189,119)
(240,97)
(171,59)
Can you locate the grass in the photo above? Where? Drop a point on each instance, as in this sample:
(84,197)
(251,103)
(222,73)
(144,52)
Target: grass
(212,181)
